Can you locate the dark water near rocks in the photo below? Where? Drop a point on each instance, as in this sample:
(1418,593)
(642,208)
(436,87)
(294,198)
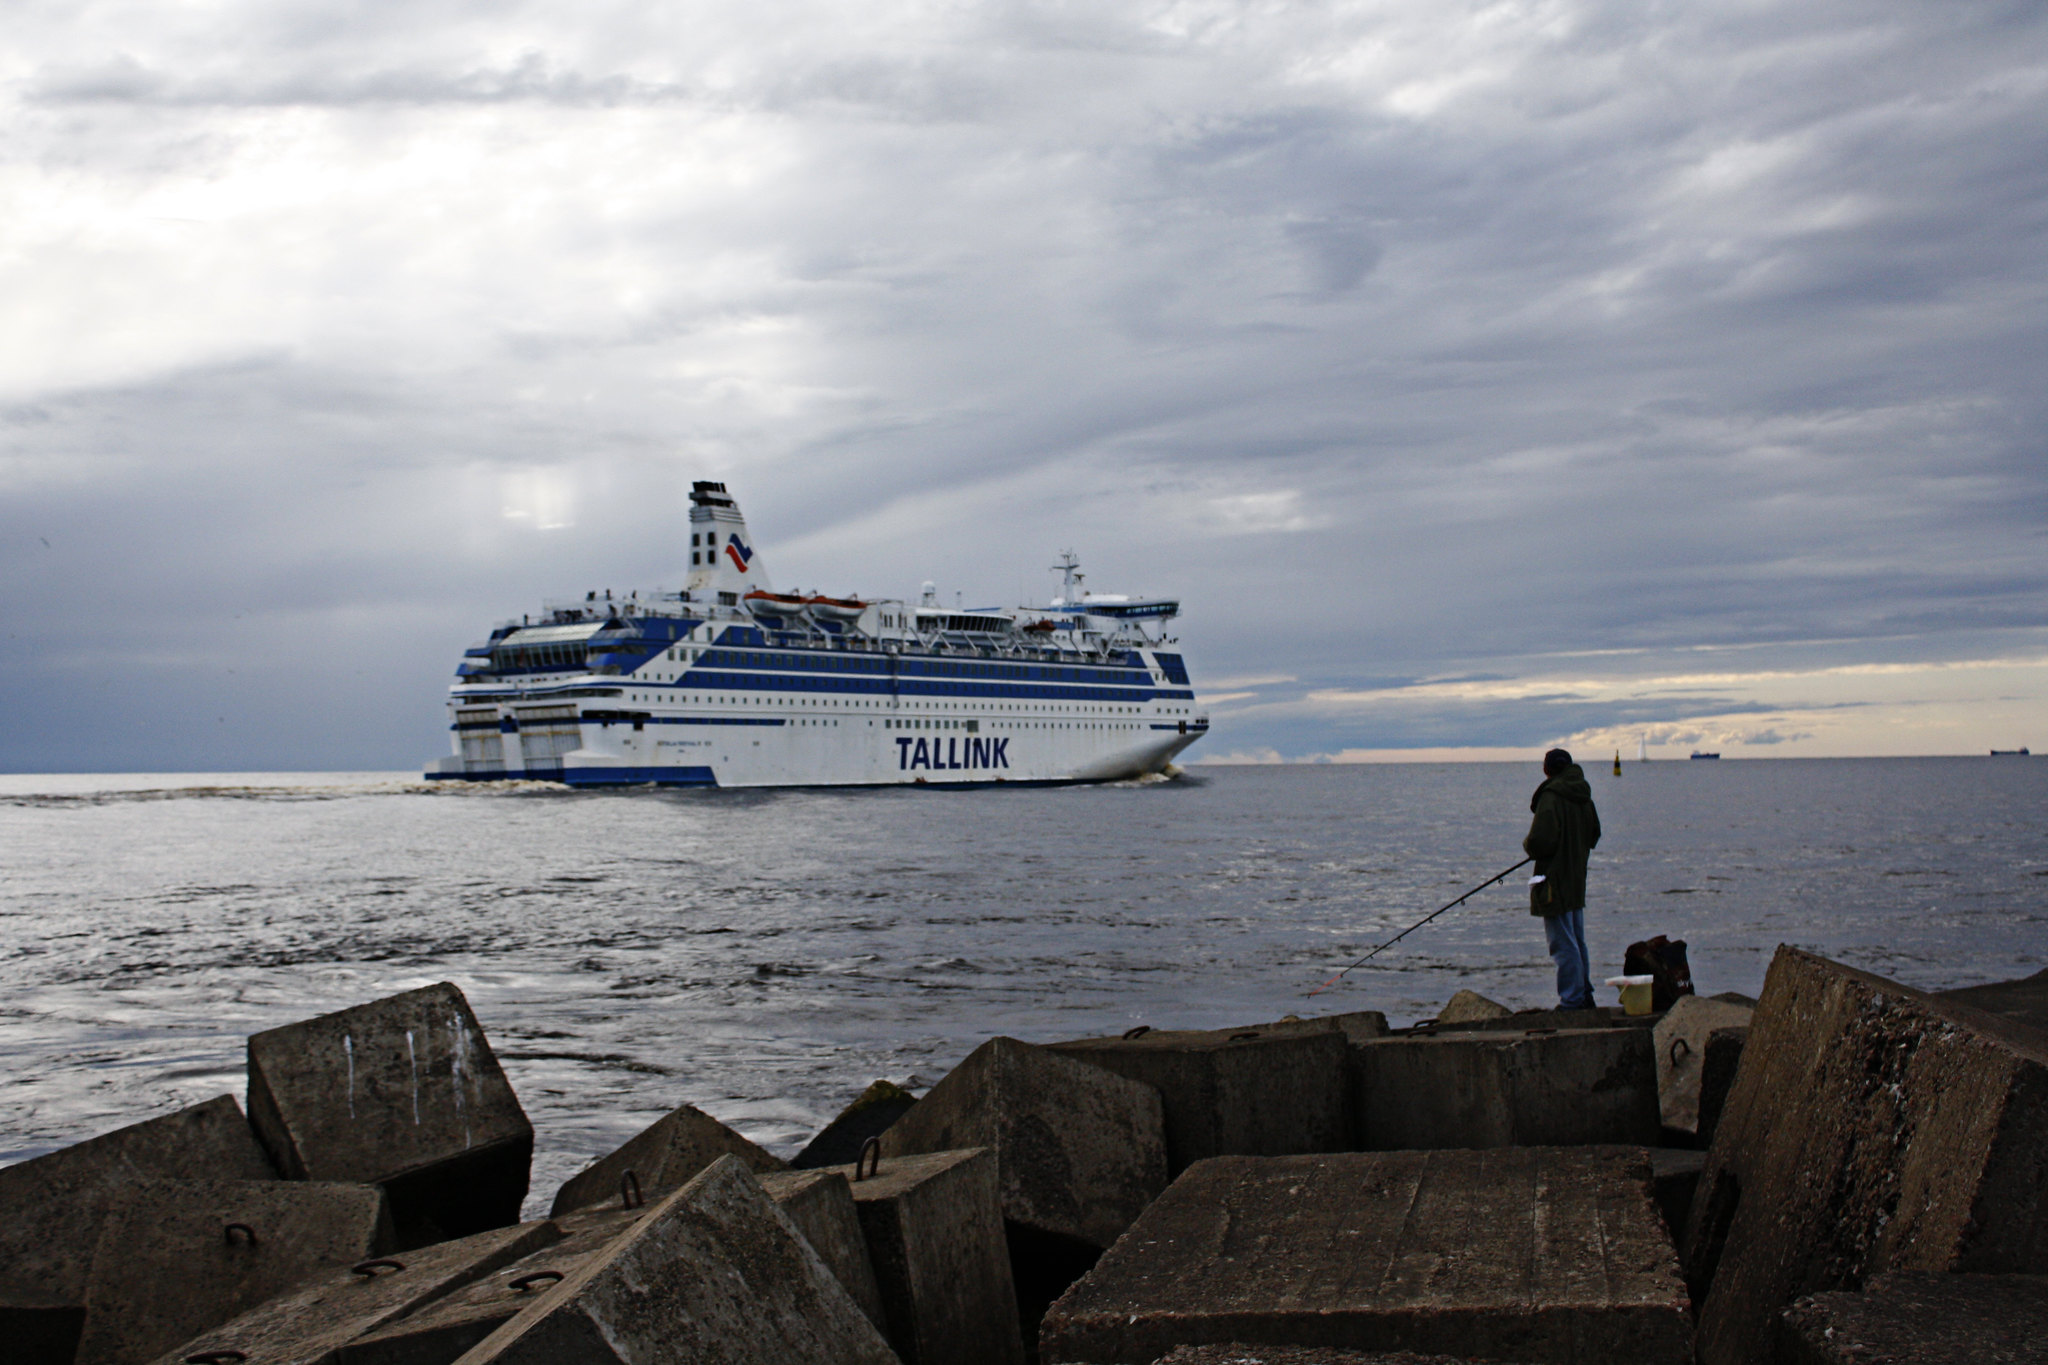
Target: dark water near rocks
(766,955)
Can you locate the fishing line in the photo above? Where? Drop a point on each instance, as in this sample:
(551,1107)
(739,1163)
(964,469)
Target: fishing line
(1498,876)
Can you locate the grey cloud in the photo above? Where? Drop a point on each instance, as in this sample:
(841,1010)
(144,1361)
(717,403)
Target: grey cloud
(1715,327)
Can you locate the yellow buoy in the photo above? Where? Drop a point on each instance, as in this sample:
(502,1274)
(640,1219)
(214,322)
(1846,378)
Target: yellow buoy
(1617,763)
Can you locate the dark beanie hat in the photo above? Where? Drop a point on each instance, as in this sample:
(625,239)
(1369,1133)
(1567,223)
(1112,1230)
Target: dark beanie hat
(1555,762)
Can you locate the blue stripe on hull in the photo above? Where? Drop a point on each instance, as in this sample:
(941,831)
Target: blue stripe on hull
(592,777)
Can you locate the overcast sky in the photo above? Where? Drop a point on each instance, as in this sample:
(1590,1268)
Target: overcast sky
(1479,375)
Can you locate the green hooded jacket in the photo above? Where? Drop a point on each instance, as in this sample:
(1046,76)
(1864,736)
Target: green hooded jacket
(1562,835)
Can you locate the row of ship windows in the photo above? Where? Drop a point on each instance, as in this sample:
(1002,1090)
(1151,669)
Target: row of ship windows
(948,668)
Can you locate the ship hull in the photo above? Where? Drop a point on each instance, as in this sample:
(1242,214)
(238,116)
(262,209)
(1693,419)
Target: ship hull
(753,718)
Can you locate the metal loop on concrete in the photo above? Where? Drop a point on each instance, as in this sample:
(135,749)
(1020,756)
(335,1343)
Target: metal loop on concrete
(870,1147)
(371,1267)
(525,1283)
(629,1191)
(224,1356)
(1139,1032)
(248,1234)
(1678,1048)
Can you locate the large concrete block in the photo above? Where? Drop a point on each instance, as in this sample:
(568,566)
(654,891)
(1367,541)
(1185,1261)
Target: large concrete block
(1239,1353)
(315,1323)
(821,1205)
(1925,1319)
(1470,1007)
(1718,1069)
(663,1156)
(180,1256)
(444,1329)
(52,1208)
(1235,1092)
(839,1142)
(1487,1089)
(1532,1254)
(2023,1001)
(1079,1150)
(934,1229)
(1355,1025)
(1540,1021)
(715,1273)
(1872,1127)
(402,1092)
(1682,1050)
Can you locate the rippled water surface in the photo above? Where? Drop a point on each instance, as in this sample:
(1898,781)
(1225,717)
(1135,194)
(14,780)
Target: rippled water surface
(765,955)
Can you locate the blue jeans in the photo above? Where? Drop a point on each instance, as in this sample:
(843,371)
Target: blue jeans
(1567,936)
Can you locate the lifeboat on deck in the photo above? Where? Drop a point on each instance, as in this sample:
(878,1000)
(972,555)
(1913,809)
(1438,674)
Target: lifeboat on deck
(773,603)
(836,608)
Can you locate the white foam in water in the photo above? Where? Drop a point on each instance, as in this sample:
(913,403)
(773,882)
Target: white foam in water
(767,954)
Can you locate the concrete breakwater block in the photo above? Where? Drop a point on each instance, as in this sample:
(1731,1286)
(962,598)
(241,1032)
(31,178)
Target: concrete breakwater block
(713,1273)
(180,1256)
(666,1154)
(1470,1007)
(821,1205)
(2023,1001)
(1235,1092)
(1718,1069)
(1239,1353)
(934,1230)
(1526,1254)
(1872,1127)
(1924,1318)
(312,1323)
(839,1142)
(403,1092)
(447,1326)
(1079,1150)
(1356,1025)
(1485,1089)
(53,1206)
(1682,1051)
(1539,1021)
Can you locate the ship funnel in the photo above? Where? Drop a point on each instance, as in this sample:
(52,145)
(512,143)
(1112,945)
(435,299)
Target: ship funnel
(722,556)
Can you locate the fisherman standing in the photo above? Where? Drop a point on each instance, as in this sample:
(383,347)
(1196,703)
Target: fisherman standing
(1563,833)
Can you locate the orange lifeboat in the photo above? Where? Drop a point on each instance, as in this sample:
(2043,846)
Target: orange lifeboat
(773,603)
(836,608)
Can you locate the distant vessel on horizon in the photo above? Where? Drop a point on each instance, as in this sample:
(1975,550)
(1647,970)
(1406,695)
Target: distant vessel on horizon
(1699,754)
(2020,752)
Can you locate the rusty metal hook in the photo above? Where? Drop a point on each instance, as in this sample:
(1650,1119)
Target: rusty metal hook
(248,1233)
(1676,1044)
(1139,1032)
(870,1146)
(629,1191)
(368,1269)
(225,1355)
(525,1283)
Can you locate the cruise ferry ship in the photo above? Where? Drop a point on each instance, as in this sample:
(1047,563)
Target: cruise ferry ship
(730,683)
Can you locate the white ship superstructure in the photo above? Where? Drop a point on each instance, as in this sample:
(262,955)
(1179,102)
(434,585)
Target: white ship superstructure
(729,683)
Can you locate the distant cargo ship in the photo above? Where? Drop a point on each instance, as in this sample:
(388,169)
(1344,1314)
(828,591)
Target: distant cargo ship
(1706,755)
(729,683)
(2020,752)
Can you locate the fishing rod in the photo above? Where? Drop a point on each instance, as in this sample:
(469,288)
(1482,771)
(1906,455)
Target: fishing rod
(1498,876)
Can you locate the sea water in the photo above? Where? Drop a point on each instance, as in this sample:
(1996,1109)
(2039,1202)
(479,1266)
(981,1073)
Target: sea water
(764,955)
